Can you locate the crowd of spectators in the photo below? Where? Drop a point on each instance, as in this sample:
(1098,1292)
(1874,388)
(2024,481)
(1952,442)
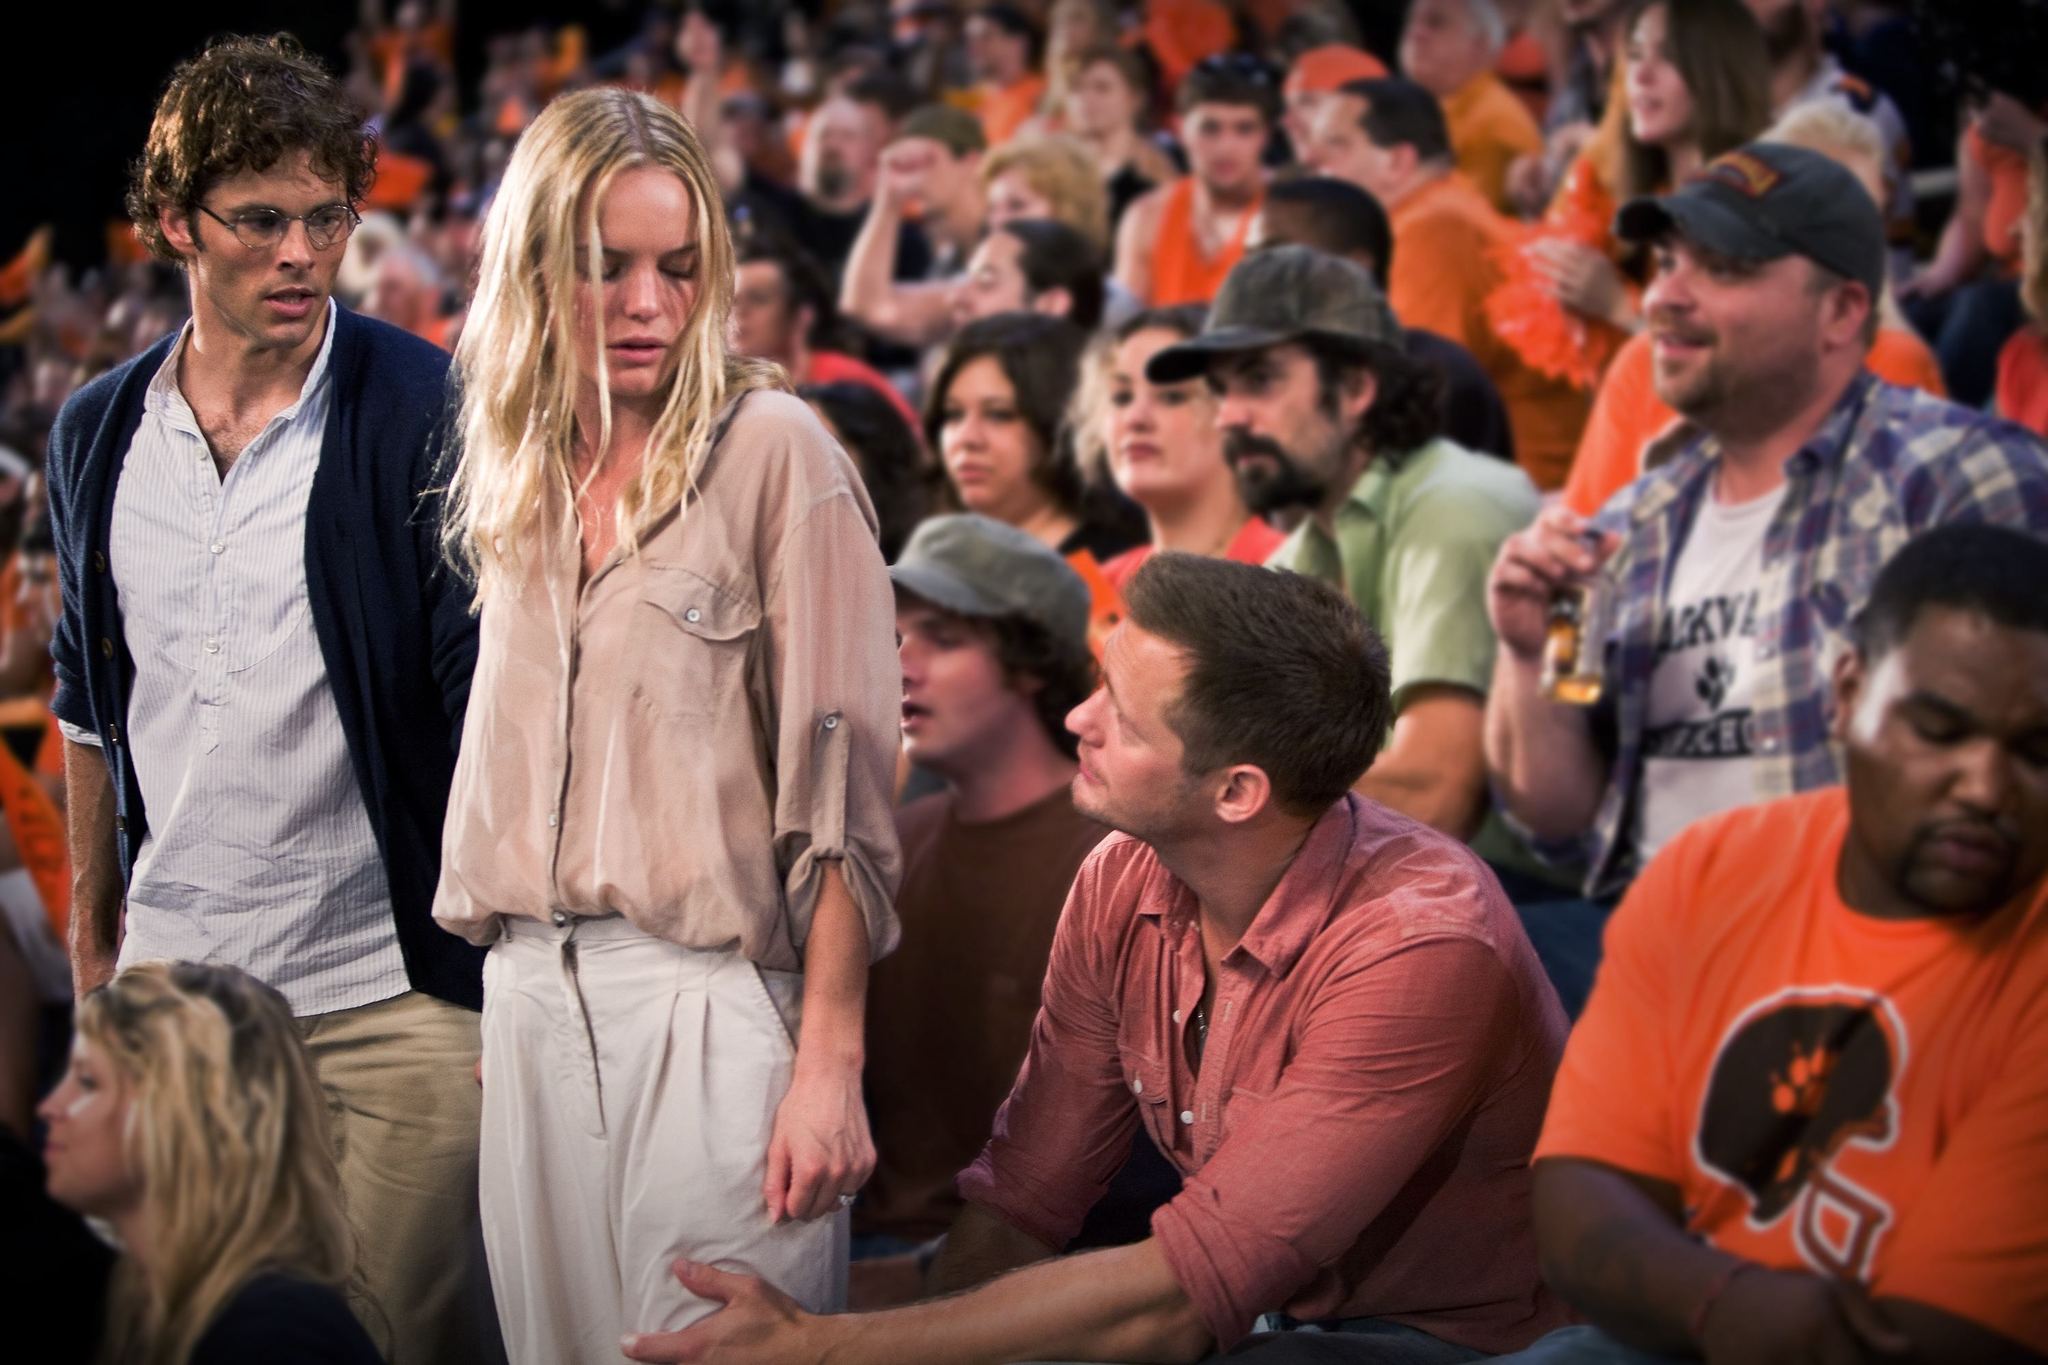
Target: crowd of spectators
(1481,572)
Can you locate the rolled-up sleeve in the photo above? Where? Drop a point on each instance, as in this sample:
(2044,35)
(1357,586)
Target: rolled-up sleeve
(1390,1062)
(829,630)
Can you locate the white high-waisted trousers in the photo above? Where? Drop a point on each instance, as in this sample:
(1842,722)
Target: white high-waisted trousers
(629,1090)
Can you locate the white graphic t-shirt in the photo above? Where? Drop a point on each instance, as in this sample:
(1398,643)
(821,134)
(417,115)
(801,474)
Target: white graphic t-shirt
(1697,746)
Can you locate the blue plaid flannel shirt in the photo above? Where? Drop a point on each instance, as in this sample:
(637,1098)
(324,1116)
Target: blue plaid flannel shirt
(1887,463)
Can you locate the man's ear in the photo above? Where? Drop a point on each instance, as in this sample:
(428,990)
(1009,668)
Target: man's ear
(1356,392)
(1246,791)
(181,234)
(1849,677)
(1054,302)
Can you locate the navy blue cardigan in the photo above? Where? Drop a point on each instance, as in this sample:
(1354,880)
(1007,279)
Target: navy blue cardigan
(393,621)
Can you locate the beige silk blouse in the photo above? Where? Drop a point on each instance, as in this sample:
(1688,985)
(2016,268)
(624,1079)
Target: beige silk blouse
(686,739)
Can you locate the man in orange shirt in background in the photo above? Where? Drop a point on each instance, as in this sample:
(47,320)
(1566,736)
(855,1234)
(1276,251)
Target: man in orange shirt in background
(1000,42)
(1805,1115)
(1313,77)
(1449,48)
(1177,243)
(1390,139)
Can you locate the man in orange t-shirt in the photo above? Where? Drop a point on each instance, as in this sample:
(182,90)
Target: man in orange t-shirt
(1449,48)
(1628,414)
(1177,243)
(1000,38)
(1805,1115)
(1390,139)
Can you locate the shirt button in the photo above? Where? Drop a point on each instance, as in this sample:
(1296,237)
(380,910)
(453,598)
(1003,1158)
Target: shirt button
(1187,1116)
(831,722)
(216,547)
(693,616)
(1137,1086)
(106,647)
(213,646)
(560,917)
(1176,1016)
(99,562)
(553,819)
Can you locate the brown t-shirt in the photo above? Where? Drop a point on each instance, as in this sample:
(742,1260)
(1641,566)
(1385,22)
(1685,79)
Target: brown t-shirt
(949,1016)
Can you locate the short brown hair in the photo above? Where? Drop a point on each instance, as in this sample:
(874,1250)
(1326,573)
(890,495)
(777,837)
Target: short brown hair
(1282,673)
(243,105)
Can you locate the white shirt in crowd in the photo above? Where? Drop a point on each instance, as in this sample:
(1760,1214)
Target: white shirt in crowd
(259,851)
(1699,741)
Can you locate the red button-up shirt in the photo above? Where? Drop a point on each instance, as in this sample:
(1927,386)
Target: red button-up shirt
(1356,1142)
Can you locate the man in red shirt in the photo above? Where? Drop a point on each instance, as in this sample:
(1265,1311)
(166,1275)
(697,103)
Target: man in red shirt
(1326,1016)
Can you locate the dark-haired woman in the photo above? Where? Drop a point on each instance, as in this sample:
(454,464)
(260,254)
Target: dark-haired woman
(995,417)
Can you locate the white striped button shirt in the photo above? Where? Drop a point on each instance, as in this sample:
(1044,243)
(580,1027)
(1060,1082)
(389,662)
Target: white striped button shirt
(259,851)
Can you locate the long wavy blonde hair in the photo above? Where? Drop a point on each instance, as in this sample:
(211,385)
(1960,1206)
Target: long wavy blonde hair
(227,1128)
(517,356)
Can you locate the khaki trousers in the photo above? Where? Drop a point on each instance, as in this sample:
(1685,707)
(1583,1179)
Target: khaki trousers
(630,1087)
(400,1077)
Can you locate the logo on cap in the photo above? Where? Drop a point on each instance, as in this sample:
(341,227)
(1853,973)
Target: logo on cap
(1743,173)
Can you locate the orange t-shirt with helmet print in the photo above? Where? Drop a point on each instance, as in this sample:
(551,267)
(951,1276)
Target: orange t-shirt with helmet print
(1862,1098)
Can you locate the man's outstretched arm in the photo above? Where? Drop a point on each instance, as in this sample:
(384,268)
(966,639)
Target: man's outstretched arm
(1122,1304)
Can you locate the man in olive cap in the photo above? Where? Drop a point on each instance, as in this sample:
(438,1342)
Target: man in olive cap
(1327,418)
(1734,566)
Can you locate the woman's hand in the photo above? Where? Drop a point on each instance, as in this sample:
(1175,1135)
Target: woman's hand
(1583,280)
(819,1148)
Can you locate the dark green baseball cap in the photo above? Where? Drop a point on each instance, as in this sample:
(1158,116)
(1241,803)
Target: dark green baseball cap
(978,566)
(1767,200)
(1282,294)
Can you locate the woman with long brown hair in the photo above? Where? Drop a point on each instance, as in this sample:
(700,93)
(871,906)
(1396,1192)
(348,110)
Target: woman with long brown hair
(1694,82)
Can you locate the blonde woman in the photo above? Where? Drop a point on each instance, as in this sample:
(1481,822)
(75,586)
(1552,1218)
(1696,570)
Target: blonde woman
(671,815)
(1047,177)
(191,1123)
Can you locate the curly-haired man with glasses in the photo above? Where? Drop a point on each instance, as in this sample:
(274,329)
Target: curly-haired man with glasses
(262,665)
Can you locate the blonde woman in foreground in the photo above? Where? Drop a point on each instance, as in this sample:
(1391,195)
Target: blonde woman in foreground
(190,1121)
(671,814)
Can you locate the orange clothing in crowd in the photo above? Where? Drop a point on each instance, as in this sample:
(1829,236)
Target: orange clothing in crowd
(1254,543)
(1006,108)
(1489,128)
(392,48)
(1180,272)
(1527,316)
(2023,379)
(1862,1098)
(2008,207)
(1446,242)
(1627,413)
(1524,67)
(1180,33)
(400,181)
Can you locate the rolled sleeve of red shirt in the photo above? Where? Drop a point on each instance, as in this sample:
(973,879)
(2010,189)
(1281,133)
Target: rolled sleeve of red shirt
(1066,1128)
(1392,1056)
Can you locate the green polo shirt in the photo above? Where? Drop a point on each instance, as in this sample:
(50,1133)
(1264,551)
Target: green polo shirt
(1412,550)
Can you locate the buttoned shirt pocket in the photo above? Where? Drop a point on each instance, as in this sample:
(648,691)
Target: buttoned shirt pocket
(1151,1086)
(696,636)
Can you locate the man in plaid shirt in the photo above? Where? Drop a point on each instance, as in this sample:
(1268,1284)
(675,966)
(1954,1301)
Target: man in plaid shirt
(1730,570)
